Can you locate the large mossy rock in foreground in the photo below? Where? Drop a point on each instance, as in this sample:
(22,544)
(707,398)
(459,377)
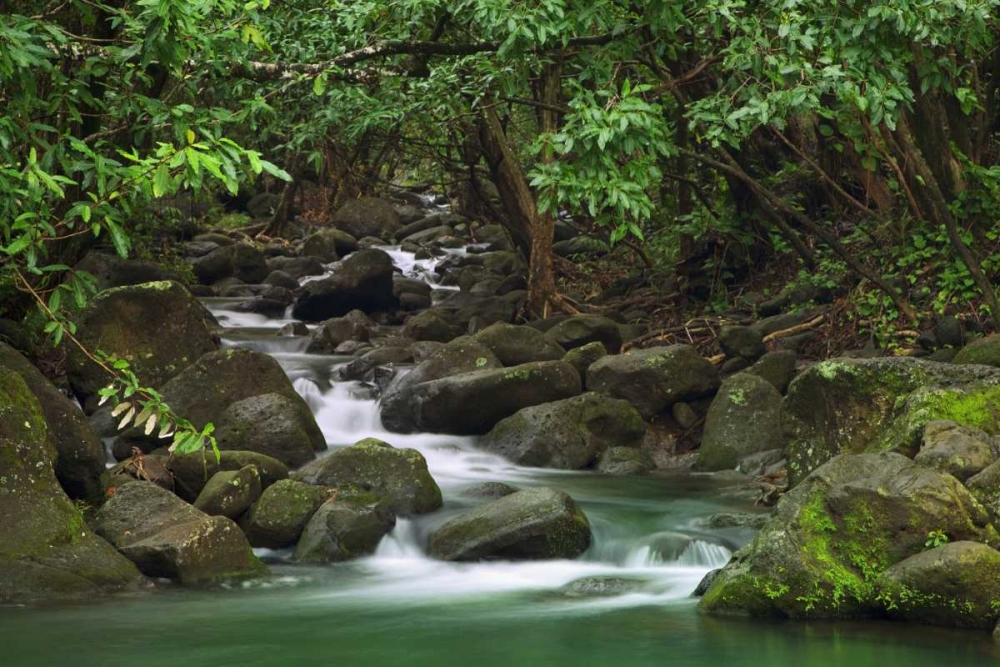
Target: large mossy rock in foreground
(192,471)
(569,434)
(472,403)
(159,328)
(376,469)
(871,405)
(80,461)
(744,419)
(216,388)
(655,378)
(533,524)
(821,553)
(955,585)
(166,537)
(46,550)
(276,520)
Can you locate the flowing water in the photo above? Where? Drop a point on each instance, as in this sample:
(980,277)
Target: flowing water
(400,607)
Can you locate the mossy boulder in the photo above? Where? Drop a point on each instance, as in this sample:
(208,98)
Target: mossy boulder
(230,493)
(577,331)
(398,477)
(166,537)
(777,367)
(533,524)
(570,433)
(323,244)
(355,325)
(80,460)
(514,345)
(954,585)
(427,325)
(960,451)
(362,281)
(278,425)
(340,531)
(278,518)
(367,217)
(985,351)
(871,405)
(459,356)
(472,403)
(623,461)
(192,471)
(582,358)
(744,419)
(159,328)
(832,536)
(741,342)
(655,378)
(47,552)
(110,270)
(206,390)
(239,260)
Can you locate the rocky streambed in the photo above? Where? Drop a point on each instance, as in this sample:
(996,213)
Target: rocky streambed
(399,457)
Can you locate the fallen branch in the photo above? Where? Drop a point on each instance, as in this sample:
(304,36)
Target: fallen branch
(798,328)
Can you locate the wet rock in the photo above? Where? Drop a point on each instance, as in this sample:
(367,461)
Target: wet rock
(230,493)
(834,533)
(428,326)
(192,471)
(985,351)
(276,425)
(600,587)
(569,433)
(460,308)
(489,490)
(724,520)
(159,327)
(955,585)
(278,518)
(47,552)
(362,281)
(655,378)
(582,358)
(960,451)
(397,477)
(80,461)
(744,419)
(685,416)
(113,271)
(166,537)
(858,405)
(297,267)
(705,583)
(340,531)
(293,329)
(533,524)
(355,326)
(239,261)
(367,217)
(459,356)
(281,279)
(473,402)
(624,461)
(582,329)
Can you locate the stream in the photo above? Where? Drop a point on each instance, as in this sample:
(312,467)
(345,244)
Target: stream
(400,607)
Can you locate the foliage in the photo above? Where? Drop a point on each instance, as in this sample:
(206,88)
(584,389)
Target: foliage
(936,538)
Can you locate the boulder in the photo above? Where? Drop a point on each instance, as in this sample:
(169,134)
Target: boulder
(367,217)
(623,461)
(281,279)
(600,587)
(80,460)
(340,531)
(324,244)
(113,271)
(166,537)
(514,345)
(355,326)
(215,389)
(489,490)
(582,358)
(230,493)
(870,405)
(397,477)
(240,261)
(985,351)
(954,585)
(778,368)
(47,552)
(655,378)
(191,472)
(533,524)
(428,326)
(744,342)
(462,308)
(362,281)
(960,451)
(278,518)
(472,403)
(744,419)
(577,331)
(459,356)
(297,267)
(569,434)
(821,553)
(159,328)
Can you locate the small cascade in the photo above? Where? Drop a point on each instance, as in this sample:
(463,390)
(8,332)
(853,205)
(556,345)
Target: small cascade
(402,542)
(705,555)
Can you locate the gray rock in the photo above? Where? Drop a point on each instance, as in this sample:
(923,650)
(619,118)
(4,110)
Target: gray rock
(367,217)
(230,493)
(744,419)
(582,329)
(362,281)
(514,345)
(340,531)
(278,518)
(960,451)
